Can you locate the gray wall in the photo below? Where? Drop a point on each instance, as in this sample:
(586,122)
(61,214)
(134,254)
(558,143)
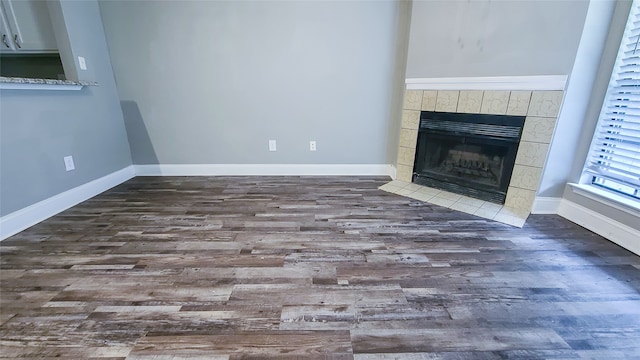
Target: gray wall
(212,82)
(39,128)
(584,94)
(494,38)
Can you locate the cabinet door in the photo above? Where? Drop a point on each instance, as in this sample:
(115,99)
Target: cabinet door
(30,25)
(6,42)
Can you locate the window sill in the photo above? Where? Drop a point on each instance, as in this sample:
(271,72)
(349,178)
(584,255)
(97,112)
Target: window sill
(609,198)
(14,83)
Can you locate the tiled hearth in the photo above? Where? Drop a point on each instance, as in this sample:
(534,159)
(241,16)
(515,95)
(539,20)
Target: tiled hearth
(541,110)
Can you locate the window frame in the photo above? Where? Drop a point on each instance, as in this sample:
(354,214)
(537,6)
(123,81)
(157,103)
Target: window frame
(588,181)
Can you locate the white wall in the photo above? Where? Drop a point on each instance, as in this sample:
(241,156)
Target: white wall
(494,38)
(210,82)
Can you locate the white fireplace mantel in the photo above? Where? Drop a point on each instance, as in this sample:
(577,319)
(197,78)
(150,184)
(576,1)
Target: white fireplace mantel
(541,82)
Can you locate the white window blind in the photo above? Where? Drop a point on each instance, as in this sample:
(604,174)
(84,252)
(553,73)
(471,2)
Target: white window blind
(615,152)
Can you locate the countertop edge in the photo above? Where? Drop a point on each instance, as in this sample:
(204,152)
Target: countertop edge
(17,83)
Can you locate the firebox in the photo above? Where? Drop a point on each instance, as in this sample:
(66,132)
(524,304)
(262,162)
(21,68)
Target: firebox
(468,154)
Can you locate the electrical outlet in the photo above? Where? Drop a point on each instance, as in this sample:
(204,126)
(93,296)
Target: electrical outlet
(68,163)
(312,145)
(82,63)
(272,145)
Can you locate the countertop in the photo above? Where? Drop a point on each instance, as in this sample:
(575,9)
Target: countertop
(18,80)
(18,83)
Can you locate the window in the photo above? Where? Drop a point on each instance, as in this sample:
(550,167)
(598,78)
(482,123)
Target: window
(614,159)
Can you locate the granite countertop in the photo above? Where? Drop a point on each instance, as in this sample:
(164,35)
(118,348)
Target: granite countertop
(18,80)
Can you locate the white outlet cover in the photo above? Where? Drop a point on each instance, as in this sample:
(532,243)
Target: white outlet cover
(68,163)
(82,63)
(272,145)
(312,145)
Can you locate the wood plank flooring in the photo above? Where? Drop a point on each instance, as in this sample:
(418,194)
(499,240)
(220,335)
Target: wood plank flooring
(310,268)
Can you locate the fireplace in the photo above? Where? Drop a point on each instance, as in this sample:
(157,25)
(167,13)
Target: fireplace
(539,107)
(469,154)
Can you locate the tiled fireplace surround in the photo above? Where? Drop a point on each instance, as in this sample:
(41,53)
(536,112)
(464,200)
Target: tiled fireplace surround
(541,110)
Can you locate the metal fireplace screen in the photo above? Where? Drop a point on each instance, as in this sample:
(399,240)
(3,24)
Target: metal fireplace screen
(468,154)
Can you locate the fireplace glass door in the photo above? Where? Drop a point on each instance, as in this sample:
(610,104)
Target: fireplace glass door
(467,155)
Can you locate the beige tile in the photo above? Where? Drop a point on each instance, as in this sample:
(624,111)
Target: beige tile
(405,192)
(414,187)
(385,186)
(406,156)
(491,206)
(465,208)
(519,103)
(469,101)
(450,195)
(519,199)
(513,217)
(440,201)
(429,191)
(410,119)
(390,188)
(412,100)
(532,154)
(400,183)
(429,100)
(471,201)
(404,173)
(486,213)
(447,100)
(495,102)
(545,103)
(423,197)
(538,129)
(525,177)
(510,220)
(414,195)
(408,138)
(518,213)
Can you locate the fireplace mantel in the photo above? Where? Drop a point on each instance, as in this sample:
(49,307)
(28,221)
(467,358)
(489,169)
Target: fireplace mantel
(538,82)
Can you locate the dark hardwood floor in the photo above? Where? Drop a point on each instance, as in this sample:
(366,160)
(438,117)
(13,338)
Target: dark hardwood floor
(309,267)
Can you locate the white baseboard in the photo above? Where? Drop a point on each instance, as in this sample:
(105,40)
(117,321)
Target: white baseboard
(546,205)
(19,220)
(394,172)
(614,231)
(264,169)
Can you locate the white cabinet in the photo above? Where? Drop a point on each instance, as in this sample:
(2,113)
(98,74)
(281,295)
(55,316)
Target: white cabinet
(26,27)
(6,43)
